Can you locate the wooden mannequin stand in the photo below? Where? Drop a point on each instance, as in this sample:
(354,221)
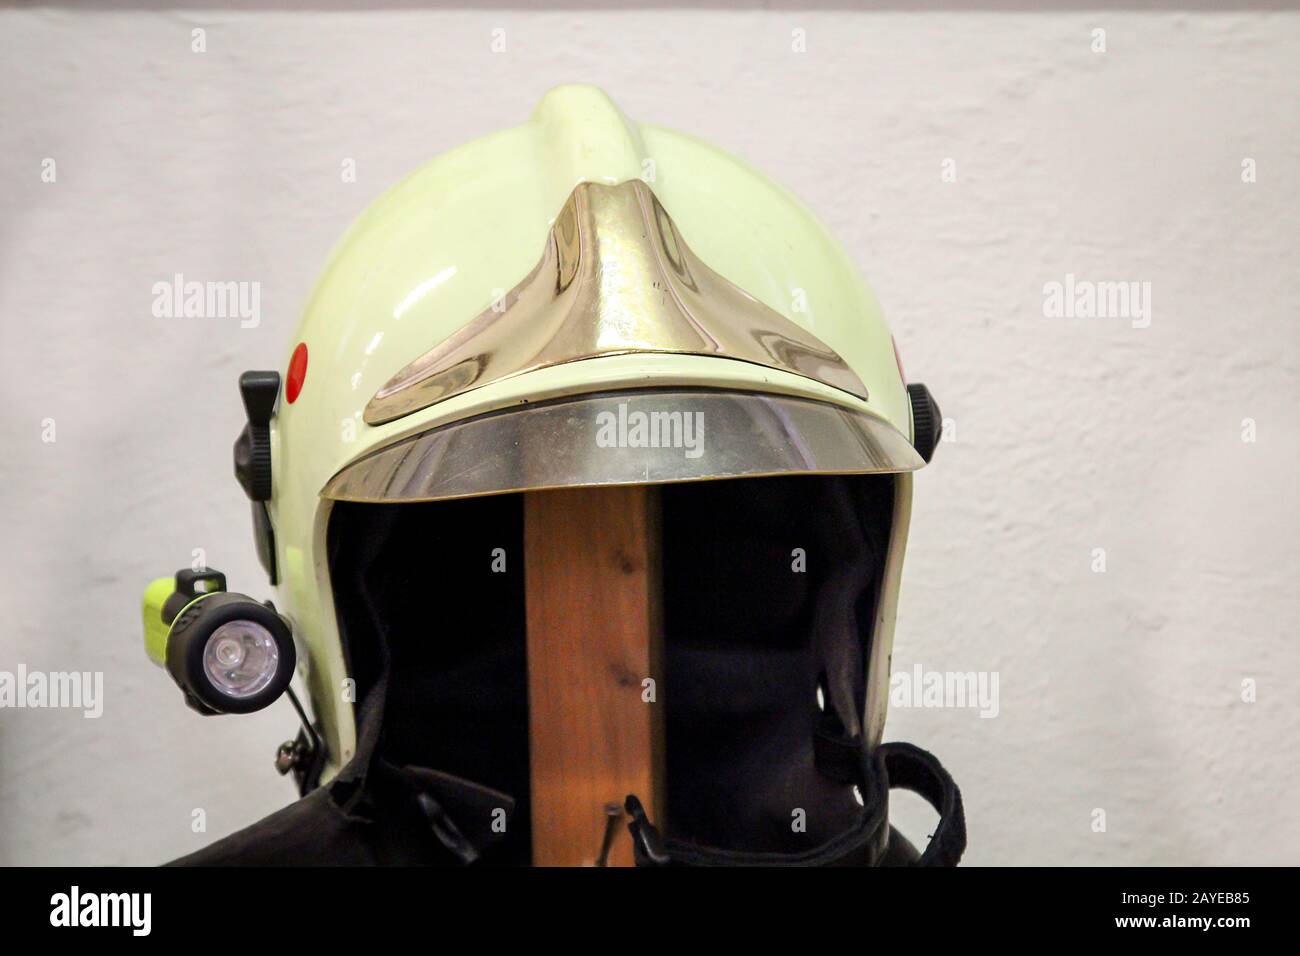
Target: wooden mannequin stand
(594,598)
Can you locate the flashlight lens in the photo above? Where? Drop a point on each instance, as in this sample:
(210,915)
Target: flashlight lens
(241,658)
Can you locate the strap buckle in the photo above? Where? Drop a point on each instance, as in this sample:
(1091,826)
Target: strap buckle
(648,842)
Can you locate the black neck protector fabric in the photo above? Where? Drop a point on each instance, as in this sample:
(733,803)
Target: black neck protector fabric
(770,592)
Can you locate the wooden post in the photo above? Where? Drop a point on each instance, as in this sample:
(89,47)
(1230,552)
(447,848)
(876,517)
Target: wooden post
(591,560)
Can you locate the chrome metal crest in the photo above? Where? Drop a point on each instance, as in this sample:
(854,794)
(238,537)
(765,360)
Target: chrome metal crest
(616,278)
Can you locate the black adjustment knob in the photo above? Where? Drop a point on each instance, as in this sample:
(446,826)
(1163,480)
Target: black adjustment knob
(927,421)
(253,446)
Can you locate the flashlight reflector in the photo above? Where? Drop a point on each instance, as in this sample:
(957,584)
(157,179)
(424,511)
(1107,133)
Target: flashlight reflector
(241,658)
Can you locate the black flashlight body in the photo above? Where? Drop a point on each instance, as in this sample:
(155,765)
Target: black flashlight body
(193,628)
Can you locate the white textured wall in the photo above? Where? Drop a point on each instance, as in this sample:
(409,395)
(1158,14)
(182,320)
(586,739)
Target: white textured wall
(1119,690)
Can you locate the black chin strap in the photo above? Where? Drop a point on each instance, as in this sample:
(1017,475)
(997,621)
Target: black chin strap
(911,768)
(890,766)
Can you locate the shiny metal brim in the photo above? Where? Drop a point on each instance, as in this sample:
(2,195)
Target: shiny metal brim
(626,438)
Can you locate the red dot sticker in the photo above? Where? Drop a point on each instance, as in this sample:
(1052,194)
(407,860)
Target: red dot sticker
(297,372)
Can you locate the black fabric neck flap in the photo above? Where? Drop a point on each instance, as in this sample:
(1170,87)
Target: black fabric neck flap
(770,592)
(770,601)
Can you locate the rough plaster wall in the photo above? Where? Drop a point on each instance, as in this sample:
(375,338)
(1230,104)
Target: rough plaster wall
(1119,690)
